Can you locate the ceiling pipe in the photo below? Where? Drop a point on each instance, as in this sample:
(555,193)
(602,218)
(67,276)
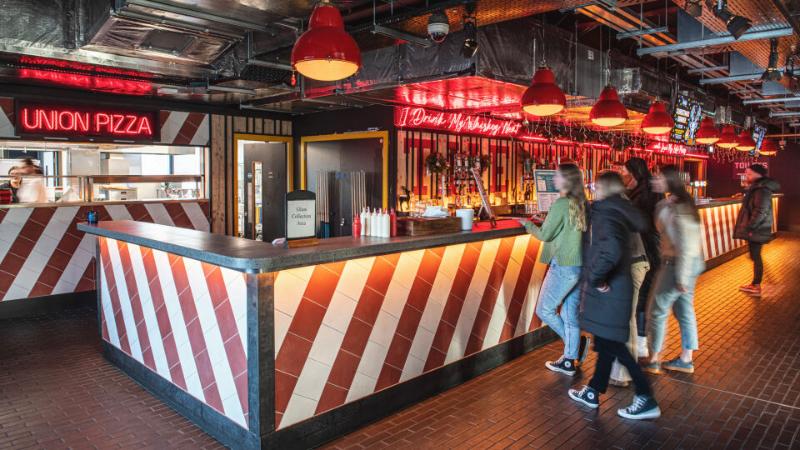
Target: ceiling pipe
(731,79)
(643,32)
(784,114)
(721,39)
(772,100)
(706,69)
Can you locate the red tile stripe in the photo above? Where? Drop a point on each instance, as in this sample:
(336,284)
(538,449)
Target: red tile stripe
(410,318)
(196,338)
(57,267)
(453,306)
(227,328)
(358,331)
(108,272)
(493,286)
(302,332)
(520,290)
(23,245)
(136,305)
(189,128)
(164,325)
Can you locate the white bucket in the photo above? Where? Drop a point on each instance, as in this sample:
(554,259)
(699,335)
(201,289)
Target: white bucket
(466,216)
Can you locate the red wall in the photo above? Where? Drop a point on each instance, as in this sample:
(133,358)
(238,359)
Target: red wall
(784,167)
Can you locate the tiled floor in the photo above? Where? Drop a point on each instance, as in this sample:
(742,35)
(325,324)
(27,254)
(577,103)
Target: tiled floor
(56,391)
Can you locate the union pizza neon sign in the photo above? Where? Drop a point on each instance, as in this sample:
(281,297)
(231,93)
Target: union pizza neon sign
(415,117)
(84,122)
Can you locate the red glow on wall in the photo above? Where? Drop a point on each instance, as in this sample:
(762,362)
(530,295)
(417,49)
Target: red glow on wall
(92,82)
(73,65)
(85,122)
(460,123)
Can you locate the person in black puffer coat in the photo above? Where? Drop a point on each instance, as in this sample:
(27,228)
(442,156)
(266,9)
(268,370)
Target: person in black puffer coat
(754,223)
(607,292)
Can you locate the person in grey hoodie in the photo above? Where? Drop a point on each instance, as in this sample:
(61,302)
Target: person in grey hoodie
(678,224)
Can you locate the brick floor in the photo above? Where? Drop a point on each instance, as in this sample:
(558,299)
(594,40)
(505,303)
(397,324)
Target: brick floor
(745,392)
(56,390)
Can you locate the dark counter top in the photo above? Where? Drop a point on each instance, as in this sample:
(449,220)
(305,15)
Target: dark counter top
(721,201)
(247,255)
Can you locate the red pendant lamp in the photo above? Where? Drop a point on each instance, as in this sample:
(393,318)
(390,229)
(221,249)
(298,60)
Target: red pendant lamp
(707,134)
(543,97)
(657,121)
(745,142)
(325,52)
(608,111)
(728,137)
(768,148)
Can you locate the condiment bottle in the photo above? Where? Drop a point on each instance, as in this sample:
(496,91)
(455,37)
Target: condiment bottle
(392,223)
(356,226)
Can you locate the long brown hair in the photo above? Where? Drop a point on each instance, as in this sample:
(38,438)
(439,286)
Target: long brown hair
(576,195)
(677,190)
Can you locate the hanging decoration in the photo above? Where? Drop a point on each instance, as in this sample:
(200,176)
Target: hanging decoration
(326,52)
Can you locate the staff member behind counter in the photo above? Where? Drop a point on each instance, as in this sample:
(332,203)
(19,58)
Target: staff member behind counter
(29,189)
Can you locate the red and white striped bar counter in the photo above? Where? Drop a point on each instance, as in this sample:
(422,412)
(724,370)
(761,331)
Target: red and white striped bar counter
(283,348)
(46,261)
(719,219)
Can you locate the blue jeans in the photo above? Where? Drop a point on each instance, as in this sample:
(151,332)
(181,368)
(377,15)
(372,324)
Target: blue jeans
(666,298)
(561,287)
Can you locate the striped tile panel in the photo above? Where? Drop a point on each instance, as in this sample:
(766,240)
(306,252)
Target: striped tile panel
(718,226)
(43,253)
(346,330)
(183,319)
(184,128)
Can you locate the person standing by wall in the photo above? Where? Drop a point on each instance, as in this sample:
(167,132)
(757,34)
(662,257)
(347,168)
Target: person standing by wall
(607,293)
(754,223)
(561,233)
(638,189)
(678,223)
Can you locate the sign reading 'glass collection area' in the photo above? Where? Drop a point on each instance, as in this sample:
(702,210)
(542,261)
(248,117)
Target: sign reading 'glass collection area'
(86,122)
(301,213)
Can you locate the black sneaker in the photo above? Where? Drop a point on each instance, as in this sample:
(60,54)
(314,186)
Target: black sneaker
(563,365)
(643,407)
(586,396)
(583,348)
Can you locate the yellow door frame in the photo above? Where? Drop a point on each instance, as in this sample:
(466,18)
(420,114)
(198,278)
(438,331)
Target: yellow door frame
(288,140)
(344,137)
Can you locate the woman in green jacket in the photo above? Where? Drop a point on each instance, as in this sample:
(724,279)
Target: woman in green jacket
(561,233)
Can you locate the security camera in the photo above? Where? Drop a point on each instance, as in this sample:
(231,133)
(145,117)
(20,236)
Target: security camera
(438,27)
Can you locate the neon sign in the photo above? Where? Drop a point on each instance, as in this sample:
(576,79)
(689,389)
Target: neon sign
(667,148)
(414,117)
(86,122)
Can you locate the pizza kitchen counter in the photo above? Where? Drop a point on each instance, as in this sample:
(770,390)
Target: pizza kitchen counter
(264,346)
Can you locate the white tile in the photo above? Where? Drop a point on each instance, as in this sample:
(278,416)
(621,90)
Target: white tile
(352,280)
(302,408)
(326,345)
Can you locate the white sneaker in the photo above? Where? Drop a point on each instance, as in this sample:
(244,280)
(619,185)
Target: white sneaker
(641,347)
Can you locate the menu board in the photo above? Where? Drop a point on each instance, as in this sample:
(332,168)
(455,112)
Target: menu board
(687,115)
(759,132)
(546,191)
